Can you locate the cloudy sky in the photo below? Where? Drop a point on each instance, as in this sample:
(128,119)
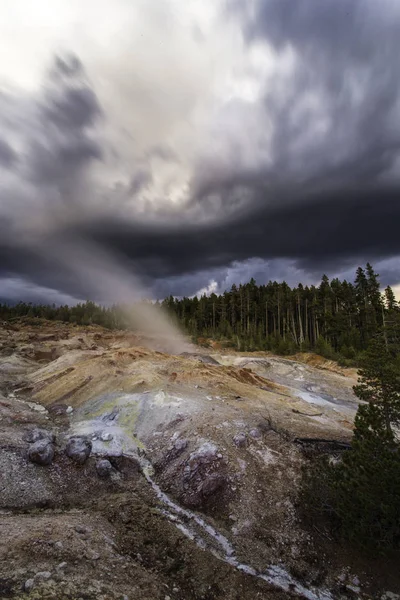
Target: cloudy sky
(182,145)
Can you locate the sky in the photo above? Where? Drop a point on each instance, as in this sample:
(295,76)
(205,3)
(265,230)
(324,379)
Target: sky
(184,146)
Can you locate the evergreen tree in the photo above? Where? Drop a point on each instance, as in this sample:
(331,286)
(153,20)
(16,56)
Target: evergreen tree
(390,300)
(361,493)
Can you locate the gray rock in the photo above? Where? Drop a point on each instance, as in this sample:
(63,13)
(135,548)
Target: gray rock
(69,410)
(41,452)
(62,565)
(28,585)
(78,449)
(34,435)
(353,588)
(43,575)
(106,437)
(58,545)
(255,433)
(103,468)
(240,440)
(205,455)
(180,445)
(81,529)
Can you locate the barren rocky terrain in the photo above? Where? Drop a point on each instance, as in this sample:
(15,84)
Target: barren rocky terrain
(131,473)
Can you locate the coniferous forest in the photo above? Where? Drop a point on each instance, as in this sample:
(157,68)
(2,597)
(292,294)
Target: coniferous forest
(336,319)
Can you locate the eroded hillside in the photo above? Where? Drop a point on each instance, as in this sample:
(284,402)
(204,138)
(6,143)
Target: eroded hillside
(189,486)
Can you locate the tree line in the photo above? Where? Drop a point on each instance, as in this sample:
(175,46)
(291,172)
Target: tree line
(336,318)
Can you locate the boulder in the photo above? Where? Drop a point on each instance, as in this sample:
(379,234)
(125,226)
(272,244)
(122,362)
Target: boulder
(78,449)
(41,452)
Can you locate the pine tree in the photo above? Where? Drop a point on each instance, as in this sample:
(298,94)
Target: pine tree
(366,484)
(390,300)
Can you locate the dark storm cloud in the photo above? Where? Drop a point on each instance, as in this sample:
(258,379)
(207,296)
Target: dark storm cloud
(140,180)
(50,173)
(71,108)
(310,231)
(7,155)
(67,66)
(310,174)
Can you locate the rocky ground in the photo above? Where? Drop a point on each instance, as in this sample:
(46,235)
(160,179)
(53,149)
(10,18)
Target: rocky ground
(128,472)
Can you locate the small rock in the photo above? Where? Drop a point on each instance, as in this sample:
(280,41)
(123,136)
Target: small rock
(175,589)
(240,440)
(78,449)
(28,585)
(43,575)
(62,565)
(80,529)
(180,444)
(103,467)
(167,598)
(58,409)
(37,407)
(106,437)
(355,581)
(41,452)
(69,410)
(255,434)
(58,545)
(353,588)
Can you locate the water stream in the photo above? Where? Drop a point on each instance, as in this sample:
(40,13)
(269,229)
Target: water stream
(193,526)
(208,538)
